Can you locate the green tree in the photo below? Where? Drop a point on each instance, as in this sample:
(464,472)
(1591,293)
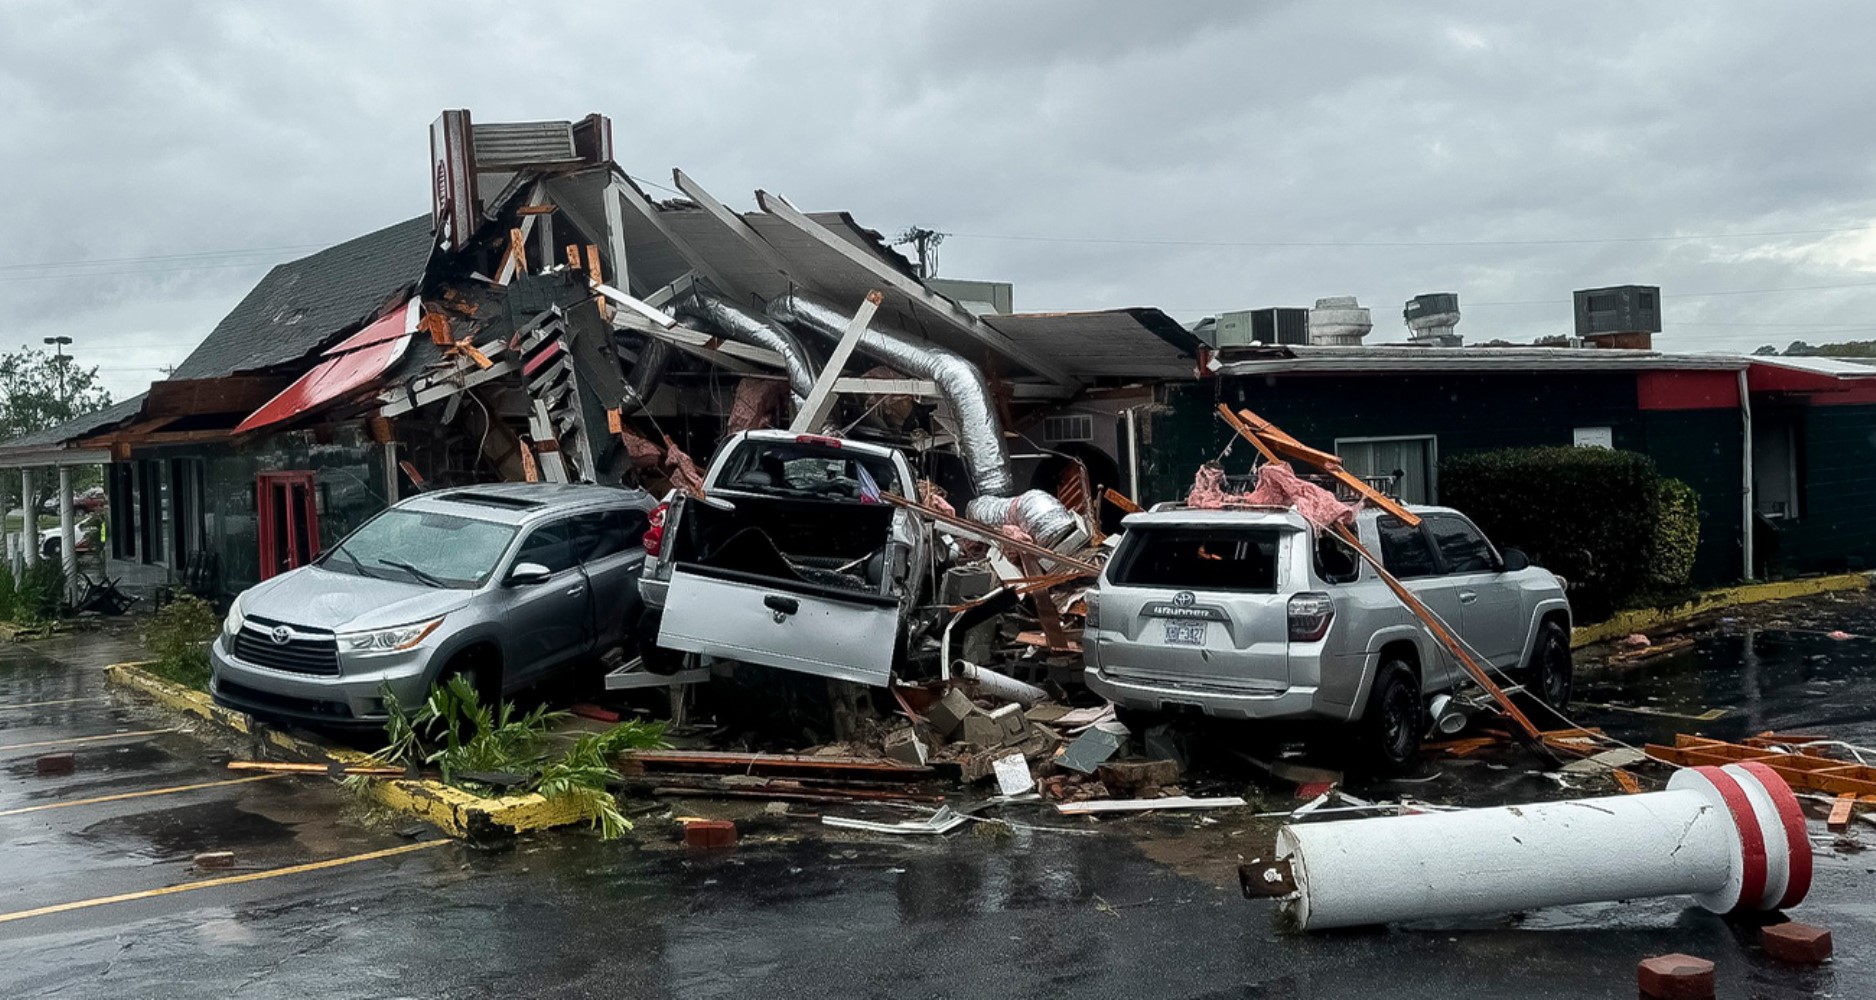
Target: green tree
(39,390)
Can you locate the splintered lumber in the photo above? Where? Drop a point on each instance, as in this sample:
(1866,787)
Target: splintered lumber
(988,534)
(1123,501)
(1244,431)
(1800,770)
(1273,442)
(771,763)
(1840,810)
(333,769)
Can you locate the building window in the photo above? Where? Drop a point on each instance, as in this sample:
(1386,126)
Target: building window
(121,510)
(1406,461)
(1776,456)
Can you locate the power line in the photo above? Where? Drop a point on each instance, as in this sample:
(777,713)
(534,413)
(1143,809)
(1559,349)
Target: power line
(1292,244)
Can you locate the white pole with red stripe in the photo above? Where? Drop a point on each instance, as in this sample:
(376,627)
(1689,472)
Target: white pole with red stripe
(1731,837)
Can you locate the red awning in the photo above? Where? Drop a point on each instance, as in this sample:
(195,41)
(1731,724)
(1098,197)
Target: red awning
(358,361)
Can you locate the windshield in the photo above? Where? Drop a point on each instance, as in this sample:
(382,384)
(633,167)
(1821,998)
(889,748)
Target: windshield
(1236,559)
(435,550)
(793,468)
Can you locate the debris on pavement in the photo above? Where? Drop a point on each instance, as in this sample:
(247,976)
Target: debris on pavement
(1179,802)
(1675,977)
(708,834)
(1704,836)
(1799,944)
(939,823)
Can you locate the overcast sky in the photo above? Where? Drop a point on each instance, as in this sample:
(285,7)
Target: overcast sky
(1095,154)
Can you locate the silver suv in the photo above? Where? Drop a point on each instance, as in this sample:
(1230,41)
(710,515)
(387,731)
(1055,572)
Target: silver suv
(505,584)
(1251,614)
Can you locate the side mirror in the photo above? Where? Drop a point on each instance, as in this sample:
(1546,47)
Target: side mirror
(1514,560)
(528,574)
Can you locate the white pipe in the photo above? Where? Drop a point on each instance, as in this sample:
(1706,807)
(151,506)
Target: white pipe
(29,519)
(68,533)
(1732,837)
(998,685)
(1745,463)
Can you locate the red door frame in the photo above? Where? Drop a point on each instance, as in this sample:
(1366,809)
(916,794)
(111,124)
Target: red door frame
(270,504)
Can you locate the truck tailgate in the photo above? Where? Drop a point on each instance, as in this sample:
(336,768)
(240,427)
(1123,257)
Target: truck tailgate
(848,637)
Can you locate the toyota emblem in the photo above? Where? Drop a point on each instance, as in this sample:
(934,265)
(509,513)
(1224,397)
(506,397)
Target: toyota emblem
(282,635)
(1183,599)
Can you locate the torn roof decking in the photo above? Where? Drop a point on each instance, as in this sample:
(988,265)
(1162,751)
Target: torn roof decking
(782,256)
(42,447)
(1110,343)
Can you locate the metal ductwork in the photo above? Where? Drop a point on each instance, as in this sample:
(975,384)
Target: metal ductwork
(1036,512)
(959,381)
(744,327)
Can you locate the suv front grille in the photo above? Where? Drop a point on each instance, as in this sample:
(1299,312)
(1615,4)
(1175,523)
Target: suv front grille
(307,652)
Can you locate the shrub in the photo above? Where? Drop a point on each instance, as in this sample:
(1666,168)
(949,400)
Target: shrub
(39,594)
(1676,539)
(1587,514)
(9,588)
(178,636)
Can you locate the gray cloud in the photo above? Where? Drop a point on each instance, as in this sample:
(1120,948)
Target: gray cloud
(157,129)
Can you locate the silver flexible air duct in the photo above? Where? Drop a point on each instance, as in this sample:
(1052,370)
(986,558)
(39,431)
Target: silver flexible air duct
(1039,513)
(744,327)
(959,381)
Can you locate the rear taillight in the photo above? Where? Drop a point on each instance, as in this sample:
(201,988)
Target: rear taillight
(1092,618)
(1310,615)
(654,532)
(820,439)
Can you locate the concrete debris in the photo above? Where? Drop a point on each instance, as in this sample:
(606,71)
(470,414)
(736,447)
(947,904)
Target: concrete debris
(949,712)
(1013,777)
(1606,761)
(905,746)
(999,727)
(214,860)
(1730,837)
(1092,748)
(1141,778)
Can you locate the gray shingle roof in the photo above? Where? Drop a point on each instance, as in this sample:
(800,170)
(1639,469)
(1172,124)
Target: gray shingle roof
(302,304)
(77,427)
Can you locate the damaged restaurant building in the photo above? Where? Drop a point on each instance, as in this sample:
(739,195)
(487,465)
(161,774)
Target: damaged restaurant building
(549,320)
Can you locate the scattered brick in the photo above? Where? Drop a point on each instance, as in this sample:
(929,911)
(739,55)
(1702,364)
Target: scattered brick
(54,764)
(587,710)
(215,859)
(709,833)
(1676,977)
(1803,944)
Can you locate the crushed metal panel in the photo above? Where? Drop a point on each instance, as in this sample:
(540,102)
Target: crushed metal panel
(349,369)
(1124,343)
(840,639)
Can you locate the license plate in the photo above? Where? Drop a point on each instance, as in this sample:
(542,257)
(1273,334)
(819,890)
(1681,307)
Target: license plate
(1185,633)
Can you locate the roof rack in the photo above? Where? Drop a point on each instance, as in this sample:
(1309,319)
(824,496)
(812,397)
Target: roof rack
(494,500)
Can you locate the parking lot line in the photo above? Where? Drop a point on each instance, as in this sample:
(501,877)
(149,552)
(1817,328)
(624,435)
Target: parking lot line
(211,883)
(49,704)
(119,797)
(87,739)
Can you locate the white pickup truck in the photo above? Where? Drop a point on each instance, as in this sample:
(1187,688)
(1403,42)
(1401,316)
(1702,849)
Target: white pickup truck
(788,560)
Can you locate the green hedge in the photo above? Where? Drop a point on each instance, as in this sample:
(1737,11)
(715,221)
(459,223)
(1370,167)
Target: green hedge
(1604,520)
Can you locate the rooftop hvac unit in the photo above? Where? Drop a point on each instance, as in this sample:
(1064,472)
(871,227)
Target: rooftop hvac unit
(1621,309)
(1431,318)
(1339,321)
(1262,326)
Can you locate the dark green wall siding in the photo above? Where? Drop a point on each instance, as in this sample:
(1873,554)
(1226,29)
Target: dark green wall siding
(1465,413)
(1836,526)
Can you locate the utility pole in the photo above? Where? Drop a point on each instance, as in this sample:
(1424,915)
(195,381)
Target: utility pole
(58,358)
(925,241)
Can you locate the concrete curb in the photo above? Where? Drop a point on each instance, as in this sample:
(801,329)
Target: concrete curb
(1715,600)
(452,810)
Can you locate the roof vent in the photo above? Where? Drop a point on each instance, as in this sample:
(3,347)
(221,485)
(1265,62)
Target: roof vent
(1339,321)
(1431,318)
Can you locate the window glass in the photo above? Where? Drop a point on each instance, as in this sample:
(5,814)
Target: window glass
(1404,549)
(547,545)
(1402,467)
(1199,559)
(808,470)
(606,533)
(1461,546)
(423,547)
(1335,561)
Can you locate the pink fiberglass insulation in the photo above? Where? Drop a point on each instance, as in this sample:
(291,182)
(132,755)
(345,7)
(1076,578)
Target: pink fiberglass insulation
(1279,486)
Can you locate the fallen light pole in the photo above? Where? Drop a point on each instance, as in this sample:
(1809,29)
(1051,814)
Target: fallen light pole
(1731,837)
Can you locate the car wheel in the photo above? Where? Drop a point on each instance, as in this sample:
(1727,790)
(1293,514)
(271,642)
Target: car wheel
(482,671)
(1552,674)
(1395,719)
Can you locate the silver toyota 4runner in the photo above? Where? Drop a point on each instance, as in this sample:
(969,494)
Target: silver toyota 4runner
(1251,614)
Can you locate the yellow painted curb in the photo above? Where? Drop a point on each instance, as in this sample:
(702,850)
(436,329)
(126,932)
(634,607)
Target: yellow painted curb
(1749,593)
(452,810)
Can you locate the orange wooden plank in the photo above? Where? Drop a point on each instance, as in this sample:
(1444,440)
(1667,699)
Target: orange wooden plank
(1245,432)
(1627,781)
(1840,812)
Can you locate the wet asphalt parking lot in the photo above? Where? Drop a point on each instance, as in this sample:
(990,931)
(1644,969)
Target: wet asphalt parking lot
(1141,907)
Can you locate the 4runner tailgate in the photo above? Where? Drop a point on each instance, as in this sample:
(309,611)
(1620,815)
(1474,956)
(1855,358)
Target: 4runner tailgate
(744,617)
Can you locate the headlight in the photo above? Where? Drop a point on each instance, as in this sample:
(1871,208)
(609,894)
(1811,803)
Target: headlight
(387,640)
(232,623)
